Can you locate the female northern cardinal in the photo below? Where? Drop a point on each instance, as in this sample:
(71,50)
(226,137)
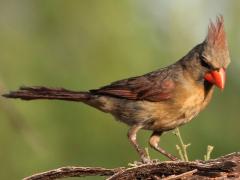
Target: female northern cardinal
(160,100)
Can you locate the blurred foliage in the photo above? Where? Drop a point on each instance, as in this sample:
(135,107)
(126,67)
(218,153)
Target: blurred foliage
(82,45)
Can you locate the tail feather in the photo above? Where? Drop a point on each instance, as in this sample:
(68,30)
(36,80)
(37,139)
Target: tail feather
(37,92)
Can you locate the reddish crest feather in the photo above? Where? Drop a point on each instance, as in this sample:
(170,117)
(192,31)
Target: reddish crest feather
(216,37)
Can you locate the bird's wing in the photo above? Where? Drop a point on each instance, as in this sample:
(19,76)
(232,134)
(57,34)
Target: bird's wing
(155,86)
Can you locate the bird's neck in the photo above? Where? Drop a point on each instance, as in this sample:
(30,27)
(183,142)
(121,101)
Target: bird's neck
(193,70)
(191,63)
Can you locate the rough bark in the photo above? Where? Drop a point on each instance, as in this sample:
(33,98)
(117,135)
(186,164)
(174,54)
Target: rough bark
(225,167)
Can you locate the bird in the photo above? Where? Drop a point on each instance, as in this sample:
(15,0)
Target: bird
(159,101)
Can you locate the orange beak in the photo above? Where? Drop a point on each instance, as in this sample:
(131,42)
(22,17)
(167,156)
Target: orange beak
(217,77)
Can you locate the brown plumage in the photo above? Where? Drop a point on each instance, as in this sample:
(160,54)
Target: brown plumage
(160,100)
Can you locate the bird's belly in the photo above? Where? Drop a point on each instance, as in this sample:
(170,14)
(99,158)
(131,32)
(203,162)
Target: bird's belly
(172,118)
(157,116)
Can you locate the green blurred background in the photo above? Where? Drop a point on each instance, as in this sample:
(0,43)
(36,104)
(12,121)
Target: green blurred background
(82,45)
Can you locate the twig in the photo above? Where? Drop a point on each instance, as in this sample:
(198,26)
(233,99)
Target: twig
(72,171)
(183,175)
(180,152)
(224,167)
(182,149)
(209,151)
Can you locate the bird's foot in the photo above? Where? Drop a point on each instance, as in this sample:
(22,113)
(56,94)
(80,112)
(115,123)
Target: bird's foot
(144,161)
(173,158)
(139,163)
(135,164)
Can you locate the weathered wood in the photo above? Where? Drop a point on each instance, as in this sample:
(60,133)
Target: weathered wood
(225,167)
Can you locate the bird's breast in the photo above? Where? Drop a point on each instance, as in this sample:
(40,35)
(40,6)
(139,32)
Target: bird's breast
(185,106)
(191,106)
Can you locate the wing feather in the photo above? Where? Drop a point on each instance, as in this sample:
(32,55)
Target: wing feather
(155,86)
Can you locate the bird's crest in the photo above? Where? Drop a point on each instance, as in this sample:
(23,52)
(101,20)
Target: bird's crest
(215,45)
(216,36)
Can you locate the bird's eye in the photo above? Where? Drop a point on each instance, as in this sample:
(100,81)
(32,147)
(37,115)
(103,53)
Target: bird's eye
(205,64)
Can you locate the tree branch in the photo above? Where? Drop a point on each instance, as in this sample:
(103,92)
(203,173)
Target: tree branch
(227,166)
(72,171)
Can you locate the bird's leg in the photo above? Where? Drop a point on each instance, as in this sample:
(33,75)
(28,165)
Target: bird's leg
(132,136)
(154,143)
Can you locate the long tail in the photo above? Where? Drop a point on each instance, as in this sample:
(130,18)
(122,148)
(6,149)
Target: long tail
(31,93)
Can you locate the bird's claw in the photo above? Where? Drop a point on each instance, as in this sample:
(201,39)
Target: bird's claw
(135,164)
(144,161)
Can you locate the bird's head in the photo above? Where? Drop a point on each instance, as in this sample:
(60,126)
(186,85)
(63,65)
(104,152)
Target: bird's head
(215,55)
